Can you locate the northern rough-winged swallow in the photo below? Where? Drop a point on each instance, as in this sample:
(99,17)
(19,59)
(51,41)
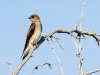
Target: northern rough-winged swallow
(33,34)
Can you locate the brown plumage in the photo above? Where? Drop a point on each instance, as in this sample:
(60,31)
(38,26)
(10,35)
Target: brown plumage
(33,34)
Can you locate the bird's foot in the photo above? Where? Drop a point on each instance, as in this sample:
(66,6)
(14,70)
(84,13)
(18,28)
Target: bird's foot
(32,56)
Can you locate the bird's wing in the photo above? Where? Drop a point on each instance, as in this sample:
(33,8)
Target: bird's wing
(29,34)
(41,28)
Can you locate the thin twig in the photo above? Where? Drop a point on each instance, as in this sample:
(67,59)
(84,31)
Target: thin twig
(79,48)
(56,57)
(75,43)
(56,69)
(57,41)
(55,37)
(82,16)
(24,24)
(10,64)
(91,72)
(36,67)
(80,45)
(79,59)
(59,44)
(76,26)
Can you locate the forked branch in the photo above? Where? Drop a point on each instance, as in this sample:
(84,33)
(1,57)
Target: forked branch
(50,65)
(10,64)
(56,57)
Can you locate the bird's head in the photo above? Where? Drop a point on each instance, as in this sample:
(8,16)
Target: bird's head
(34,18)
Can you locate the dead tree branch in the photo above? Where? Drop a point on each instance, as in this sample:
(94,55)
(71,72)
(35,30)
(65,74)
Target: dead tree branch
(10,64)
(91,72)
(25,60)
(56,57)
(79,48)
(50,65)
(70,32)
(23,24)
(57,41)
(82,16)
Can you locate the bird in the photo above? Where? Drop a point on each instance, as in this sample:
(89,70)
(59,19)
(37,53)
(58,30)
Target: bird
(33,34)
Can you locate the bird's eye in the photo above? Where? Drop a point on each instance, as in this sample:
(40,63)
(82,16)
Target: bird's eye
(32,16)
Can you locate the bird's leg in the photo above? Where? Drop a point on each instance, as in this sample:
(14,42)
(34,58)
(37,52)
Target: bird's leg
(31,47)
(35,45)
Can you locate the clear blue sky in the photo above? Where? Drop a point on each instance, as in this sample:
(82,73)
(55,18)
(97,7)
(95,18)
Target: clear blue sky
(63,14)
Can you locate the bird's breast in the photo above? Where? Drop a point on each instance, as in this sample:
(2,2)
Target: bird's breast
(36,35)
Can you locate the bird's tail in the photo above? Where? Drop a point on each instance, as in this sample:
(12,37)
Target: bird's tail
(22,55)
(25,53)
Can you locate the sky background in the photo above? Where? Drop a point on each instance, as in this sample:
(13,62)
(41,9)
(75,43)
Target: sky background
(62,14)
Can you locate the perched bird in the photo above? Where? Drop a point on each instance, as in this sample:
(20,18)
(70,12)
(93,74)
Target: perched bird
(33,34)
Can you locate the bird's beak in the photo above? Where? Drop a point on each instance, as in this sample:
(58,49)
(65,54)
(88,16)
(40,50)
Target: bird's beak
(28,17)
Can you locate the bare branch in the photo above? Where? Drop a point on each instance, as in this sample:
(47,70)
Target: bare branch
(57,41)
(24,24)
(56,57)
(76,26)
(32,48)
(79,48)
(59,44)
(91,72)
(76,31)
(36,67)
(55,37)
(75,43)
(56,69)
(10,64)
(82,16)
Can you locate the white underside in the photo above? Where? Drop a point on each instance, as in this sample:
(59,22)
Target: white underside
(35,37)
